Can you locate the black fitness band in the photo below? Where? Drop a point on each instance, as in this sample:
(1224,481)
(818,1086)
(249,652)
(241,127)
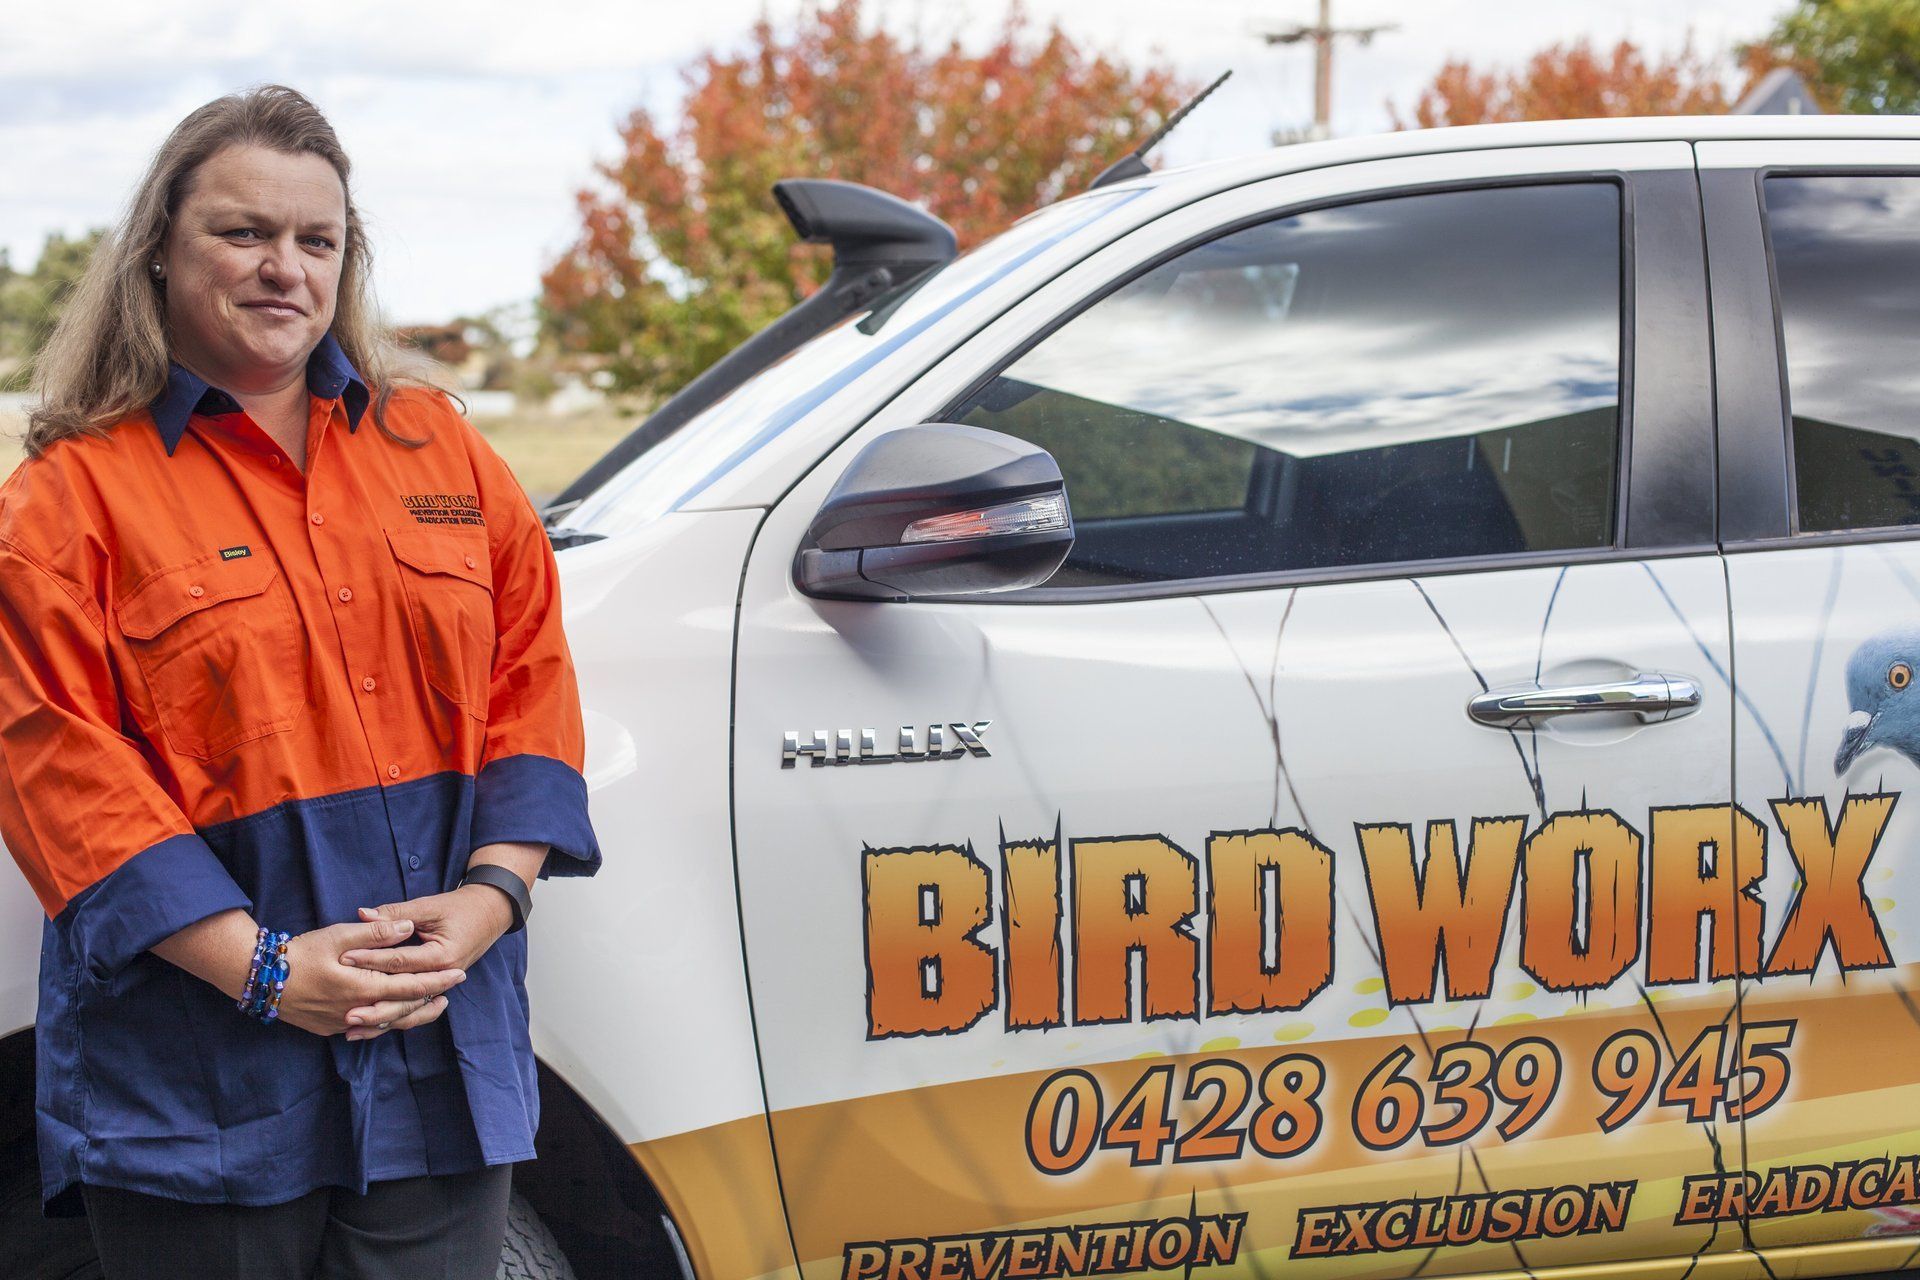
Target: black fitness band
(506,882)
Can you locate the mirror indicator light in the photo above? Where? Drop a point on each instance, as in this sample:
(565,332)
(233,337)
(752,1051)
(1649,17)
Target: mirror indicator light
(1028,515)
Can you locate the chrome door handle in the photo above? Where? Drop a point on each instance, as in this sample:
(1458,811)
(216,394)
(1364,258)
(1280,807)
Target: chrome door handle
(1652,695)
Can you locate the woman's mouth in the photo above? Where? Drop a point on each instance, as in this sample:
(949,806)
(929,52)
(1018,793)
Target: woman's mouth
(274,308)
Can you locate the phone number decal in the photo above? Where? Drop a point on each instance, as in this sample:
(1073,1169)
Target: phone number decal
(1218,1108)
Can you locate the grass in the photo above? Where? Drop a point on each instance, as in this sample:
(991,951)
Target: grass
(545,452)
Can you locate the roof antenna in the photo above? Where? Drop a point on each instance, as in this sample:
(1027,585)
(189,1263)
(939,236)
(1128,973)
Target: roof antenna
(1132,165)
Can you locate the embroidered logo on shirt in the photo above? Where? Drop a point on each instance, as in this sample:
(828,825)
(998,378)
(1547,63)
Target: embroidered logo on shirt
(444,508)
(235,553)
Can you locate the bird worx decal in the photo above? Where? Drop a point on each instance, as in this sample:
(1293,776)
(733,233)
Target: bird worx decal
(1884,705)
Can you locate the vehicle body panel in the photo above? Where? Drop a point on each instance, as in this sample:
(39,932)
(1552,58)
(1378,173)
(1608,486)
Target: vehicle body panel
(1809,607)
(641,1002)
(1187,715)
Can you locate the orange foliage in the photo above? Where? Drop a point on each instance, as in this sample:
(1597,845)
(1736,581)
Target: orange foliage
(682,253)
(1570,81)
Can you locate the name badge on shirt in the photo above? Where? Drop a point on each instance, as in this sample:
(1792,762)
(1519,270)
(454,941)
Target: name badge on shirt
(235,553)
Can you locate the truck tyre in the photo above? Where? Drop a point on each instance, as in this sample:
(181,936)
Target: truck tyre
(530,1251)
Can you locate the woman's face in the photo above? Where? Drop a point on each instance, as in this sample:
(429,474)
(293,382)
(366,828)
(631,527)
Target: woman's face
(252,262)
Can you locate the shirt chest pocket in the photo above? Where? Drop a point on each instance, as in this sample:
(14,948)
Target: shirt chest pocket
(221,650)
(448,582)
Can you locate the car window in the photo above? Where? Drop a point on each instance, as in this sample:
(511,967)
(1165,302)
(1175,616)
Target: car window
(1410,378)
(1846,254)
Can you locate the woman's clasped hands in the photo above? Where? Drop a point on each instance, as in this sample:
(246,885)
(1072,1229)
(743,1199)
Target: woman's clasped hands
(454,930)
(357,978)
(327,994)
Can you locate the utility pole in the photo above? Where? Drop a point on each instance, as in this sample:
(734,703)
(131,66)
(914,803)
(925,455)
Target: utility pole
(1323,33)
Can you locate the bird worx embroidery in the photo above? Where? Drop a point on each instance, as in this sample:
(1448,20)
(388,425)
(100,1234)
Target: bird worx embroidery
(444,508)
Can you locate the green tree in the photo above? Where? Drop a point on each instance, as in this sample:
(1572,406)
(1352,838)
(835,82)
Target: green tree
(31,301)
(1860,56)
(681,253)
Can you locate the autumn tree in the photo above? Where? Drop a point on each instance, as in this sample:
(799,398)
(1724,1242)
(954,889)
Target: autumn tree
(681,253)
(1854,55)
(1570,81)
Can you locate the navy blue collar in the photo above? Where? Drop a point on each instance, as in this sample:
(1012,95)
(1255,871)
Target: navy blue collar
(329,374)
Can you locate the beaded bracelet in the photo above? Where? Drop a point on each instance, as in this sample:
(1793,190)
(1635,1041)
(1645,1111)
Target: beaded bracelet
(253,970)
(266,976)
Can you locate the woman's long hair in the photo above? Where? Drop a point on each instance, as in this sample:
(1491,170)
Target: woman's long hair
(108,355)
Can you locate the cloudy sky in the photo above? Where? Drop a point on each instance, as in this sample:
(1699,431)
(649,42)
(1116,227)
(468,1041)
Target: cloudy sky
(472,122)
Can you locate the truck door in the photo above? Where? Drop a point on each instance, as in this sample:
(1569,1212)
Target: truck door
(1820,449)
(1333,866)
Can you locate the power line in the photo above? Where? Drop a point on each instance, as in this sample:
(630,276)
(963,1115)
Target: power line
(1323,34)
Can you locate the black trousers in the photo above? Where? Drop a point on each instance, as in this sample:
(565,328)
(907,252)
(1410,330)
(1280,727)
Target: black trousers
(448,1227)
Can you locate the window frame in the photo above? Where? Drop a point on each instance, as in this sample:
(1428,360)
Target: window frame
(1761,510)
(1663,506)
(1260,478)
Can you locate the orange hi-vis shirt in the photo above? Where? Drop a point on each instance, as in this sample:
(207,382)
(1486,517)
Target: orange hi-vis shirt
(230,681)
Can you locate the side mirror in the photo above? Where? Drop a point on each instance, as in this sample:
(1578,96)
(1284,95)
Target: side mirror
(935,510)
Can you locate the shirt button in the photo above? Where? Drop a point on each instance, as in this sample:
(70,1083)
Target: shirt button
(196,590)
(346,593)
(413,861)
(471,562)
(273,459)
(393,771)
(367,684)
(317,518)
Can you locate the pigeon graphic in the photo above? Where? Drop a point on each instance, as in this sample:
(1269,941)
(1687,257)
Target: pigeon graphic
(1885,705)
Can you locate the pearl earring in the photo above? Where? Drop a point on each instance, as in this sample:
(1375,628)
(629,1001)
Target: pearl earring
(155,268)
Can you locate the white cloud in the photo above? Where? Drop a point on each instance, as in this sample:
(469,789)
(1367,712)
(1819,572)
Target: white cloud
(472,123)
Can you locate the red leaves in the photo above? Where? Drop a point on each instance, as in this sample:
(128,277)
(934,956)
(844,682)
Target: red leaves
(1571,81)
(681,254)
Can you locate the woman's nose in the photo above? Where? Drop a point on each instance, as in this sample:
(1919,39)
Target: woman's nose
(277,265)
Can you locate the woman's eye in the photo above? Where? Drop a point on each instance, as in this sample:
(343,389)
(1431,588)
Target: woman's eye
(242,231)
(1900,675)
(320,242)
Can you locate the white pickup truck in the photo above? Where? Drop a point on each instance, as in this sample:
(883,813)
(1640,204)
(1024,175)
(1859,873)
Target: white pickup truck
(1341,712)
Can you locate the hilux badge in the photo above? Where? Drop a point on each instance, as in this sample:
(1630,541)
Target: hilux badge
(940,742)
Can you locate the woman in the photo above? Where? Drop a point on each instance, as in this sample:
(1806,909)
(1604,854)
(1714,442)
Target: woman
(282,657)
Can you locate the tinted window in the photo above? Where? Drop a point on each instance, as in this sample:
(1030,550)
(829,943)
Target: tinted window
(1847,262)
(1405,379)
